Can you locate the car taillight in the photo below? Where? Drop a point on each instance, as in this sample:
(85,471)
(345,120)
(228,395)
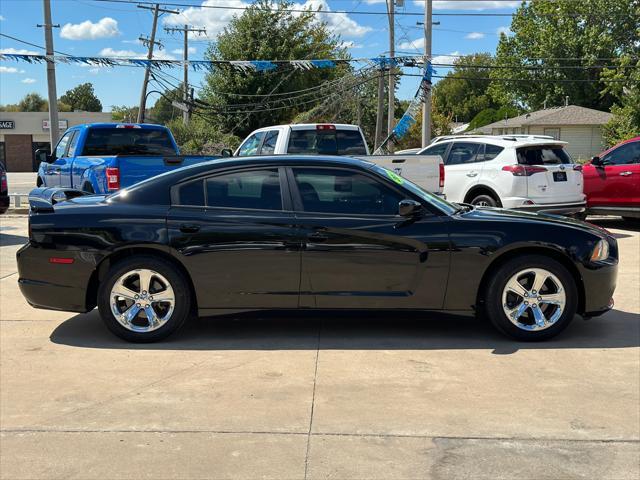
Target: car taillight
(577,168)
(3,183)
(113,178)
(442,175)
(523,170)
(325,127)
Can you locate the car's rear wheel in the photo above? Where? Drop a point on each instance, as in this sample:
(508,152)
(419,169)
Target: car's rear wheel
(484,201)
(531,298)
(144,299)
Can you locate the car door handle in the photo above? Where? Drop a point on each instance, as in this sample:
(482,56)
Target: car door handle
(472,174)
(318,237)
(189,228)
(625,174)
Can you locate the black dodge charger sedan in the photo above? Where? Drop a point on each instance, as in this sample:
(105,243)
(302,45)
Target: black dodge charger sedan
(306,233)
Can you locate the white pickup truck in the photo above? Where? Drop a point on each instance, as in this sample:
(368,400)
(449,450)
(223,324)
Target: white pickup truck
(427,171)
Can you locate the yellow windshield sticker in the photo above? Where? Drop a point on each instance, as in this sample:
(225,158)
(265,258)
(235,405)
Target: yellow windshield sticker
(395,177)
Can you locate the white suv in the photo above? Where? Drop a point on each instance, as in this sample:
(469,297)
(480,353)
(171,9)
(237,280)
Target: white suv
(521,172)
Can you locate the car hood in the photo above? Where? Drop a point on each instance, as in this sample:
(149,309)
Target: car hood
(501,214)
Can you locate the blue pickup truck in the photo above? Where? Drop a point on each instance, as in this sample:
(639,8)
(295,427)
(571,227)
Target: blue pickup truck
(104,157)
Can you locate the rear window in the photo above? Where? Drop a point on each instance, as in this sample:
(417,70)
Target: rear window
(543,155)
(326,142)
(128,141)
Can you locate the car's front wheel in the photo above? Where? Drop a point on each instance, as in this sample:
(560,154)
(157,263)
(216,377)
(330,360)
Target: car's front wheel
(144,299)
(531,298)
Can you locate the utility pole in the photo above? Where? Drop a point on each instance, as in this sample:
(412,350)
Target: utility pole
(150,42)
(392,81)
(426,105)
(380,112)
(185,61)
(54,129)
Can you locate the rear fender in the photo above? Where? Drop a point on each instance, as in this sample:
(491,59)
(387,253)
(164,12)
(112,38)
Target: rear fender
(44,198)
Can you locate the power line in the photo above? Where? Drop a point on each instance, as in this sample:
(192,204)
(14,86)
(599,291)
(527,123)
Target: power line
(558,80)
(31,44)
(331,12)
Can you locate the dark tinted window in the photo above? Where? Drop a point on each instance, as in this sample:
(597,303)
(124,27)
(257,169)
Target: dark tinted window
(191,193)
(258,189)
(128,141)
(344,192)
(462,152)
(437,149)
(326,142)
(269,144)
(251,145)
(543,155)
(623,155)
(491,152)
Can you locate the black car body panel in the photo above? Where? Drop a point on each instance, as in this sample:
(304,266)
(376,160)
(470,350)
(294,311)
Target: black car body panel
(244,259)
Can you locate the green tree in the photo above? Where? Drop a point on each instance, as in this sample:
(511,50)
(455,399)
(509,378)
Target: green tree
(440,125)
(199,137)
(162,111)
(33,102)
(124,114)
(265,32)
(568,42)
(624,83)
(490,115)
(463,93)
(82,98)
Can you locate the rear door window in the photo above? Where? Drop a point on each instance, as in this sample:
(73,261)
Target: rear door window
(326,142)
(255,189)
(437,149)
(464,152)
(191,194)
(543,155)
(491,152)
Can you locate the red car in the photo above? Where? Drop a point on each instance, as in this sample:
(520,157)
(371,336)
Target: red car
(612,181)
(4,190)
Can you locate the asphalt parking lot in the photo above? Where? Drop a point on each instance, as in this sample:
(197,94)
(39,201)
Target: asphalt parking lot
(331,396)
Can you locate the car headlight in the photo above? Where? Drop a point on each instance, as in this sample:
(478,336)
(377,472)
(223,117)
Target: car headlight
(601,251)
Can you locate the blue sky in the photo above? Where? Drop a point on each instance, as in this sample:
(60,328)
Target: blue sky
(110,29)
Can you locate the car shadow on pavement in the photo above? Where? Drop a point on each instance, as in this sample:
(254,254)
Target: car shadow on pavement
(352,331)
(8,239)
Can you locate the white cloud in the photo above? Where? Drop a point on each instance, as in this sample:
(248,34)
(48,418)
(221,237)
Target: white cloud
(468,5)
(157,54)
(87,30)
(446,59)
(474,36)
(416,45)
(339,23)
(505,30)
(4,69)
(214,19)
(2,18)
(18,51)
(178,51)
(351,44)
(134,42)
(28,80)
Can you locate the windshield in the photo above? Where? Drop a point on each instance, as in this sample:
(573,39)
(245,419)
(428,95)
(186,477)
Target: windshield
(428,197)
(128,141)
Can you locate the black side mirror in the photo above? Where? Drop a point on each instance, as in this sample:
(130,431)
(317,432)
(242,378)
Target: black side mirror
(408,208)
(226,152)
(43,155)
(596,161)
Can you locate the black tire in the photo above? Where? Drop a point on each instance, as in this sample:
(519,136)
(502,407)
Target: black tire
(179,284)
(484,201)
(496,285)
(87,187)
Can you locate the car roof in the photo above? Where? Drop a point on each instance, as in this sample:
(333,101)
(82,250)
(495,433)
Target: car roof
(118,125)
(503,141)
(310,126)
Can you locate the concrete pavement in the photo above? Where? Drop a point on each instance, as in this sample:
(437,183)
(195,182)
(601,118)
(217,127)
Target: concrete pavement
(282,396)
(21,182)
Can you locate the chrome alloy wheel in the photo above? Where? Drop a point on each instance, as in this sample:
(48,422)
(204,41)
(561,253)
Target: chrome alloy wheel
(482,203)
(142,300)
(534,299)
